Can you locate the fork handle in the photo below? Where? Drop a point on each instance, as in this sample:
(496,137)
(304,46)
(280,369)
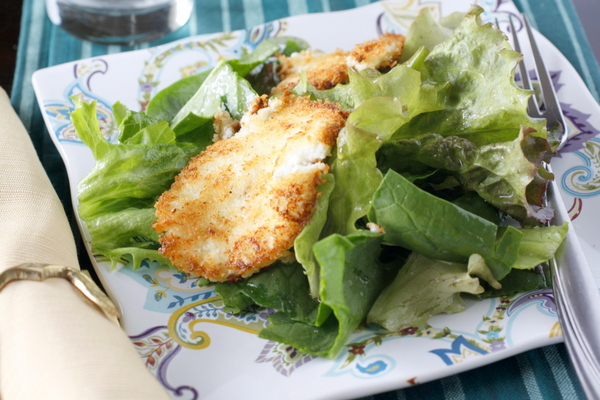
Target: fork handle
(578,302)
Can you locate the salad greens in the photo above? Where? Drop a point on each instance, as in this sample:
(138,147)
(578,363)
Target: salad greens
(439,284)
(436,155)
(407,212)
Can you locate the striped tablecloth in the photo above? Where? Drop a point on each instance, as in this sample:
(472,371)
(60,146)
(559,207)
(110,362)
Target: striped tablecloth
(544,373)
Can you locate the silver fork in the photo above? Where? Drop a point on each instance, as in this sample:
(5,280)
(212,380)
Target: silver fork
(557,132)
(577,303)
(575,292)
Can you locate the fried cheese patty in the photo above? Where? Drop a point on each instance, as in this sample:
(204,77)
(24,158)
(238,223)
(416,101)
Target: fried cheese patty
(326,70)
(238,206)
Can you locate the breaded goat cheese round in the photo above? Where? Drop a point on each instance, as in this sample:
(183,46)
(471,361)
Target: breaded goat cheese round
(326,70)
(239,205)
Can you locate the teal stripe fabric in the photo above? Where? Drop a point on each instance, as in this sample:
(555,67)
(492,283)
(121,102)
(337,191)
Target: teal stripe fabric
(543,373)
(557,20)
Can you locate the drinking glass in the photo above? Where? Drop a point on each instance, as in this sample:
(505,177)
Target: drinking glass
(119,21)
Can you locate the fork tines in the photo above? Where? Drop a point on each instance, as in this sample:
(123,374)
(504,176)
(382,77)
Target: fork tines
(550,110)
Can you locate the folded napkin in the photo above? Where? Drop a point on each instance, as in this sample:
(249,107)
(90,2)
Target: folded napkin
(54,344)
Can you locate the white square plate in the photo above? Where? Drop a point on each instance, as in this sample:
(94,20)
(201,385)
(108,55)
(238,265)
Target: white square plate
(185,338)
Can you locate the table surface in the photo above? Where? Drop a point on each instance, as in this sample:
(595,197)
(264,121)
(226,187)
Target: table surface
(500,377)
(589,14)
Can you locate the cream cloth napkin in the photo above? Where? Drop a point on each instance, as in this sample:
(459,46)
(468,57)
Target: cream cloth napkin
(54,344)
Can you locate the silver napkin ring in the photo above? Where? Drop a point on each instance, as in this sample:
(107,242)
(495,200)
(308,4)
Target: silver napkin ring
(82,282)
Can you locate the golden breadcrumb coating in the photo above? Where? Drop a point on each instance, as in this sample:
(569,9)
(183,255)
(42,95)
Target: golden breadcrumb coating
(326,70)
(239,205)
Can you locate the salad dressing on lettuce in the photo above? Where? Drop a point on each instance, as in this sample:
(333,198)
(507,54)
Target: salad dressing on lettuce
(436,154)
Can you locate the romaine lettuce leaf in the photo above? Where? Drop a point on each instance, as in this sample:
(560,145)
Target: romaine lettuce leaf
(353,161)
(303,244)
(517,281)
(531,271)
(474,204)
(317,340)
(351,279)
(223,88)
(539,245)
(167,103)
(283,287)
(426,287)
(438,229)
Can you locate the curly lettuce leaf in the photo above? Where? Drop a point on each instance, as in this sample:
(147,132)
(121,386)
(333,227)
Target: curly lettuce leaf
(505,174)
(391,101)
(86,124)
(133,256)
(423,288)
(475,66)
(116,198)
(125,237)
(399,96)
(131,122)
(124,172)
(341,93)
(122,228)
(131,173)
(427,32)
(401,87)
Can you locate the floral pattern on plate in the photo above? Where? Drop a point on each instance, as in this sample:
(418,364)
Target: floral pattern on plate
(191,308)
